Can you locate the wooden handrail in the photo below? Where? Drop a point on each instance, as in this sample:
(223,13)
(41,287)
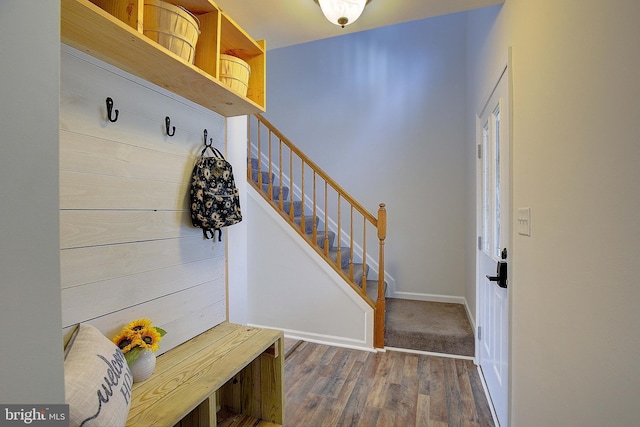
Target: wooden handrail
(311,236)
(347,197)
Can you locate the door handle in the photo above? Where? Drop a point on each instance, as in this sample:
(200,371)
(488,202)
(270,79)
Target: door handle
(501,277)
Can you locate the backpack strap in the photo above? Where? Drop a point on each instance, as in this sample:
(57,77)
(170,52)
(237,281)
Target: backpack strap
(207,231)
(214,150)
(209,144)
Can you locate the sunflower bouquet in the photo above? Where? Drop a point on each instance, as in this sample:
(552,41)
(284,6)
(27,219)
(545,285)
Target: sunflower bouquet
(138,336)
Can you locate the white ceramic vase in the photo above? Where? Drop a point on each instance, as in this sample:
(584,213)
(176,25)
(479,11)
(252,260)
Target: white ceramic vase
(143,366)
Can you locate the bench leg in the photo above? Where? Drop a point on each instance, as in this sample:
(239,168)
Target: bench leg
(203,415)
(207,412)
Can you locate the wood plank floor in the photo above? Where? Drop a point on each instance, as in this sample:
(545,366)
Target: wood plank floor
(335,387)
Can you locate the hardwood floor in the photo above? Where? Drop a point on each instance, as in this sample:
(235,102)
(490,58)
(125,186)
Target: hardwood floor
(335,387)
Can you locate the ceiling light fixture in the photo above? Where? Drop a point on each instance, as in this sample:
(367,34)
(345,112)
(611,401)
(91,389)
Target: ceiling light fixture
(342,12)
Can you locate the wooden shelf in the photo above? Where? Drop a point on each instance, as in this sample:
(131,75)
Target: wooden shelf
(87,27)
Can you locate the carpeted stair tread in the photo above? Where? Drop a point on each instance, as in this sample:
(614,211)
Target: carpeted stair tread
(275,191)
(357,272)
(429,326)
(308,220)
(265,176)
(320,238)
(344,255)
(372,289)
(297,207)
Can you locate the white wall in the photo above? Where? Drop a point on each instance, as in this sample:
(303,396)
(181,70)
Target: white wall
(236,235)
(381,112)
(576,100)
(295,289)
(31,351)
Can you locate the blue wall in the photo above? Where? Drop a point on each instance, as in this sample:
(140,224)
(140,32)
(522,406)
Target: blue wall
(382,111)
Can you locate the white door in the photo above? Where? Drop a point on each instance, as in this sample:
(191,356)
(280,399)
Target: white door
(493,212)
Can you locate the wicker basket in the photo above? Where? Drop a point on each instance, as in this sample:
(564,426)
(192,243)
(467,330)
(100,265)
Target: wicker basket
(172,27)
(234,72)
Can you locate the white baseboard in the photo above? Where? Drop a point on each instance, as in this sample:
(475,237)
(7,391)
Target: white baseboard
(431,353)
(472,320)
(488,396)
(428,297)
(322,339)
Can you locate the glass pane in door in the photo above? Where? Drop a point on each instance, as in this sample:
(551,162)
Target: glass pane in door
(486,203)
(496,148)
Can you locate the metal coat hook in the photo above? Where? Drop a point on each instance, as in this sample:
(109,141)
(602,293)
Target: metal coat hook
(167,122)
(209,145)
(205,140)
(109,109)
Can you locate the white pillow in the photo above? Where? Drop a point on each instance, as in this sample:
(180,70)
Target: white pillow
(97,380)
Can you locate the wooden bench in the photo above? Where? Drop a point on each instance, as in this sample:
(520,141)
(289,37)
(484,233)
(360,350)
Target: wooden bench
(230,375)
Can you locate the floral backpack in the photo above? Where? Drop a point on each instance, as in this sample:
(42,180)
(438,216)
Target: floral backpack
(215,202)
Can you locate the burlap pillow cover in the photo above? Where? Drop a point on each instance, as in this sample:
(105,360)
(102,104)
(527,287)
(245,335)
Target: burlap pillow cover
(97,380)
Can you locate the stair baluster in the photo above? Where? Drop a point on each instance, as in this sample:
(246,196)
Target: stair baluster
(326,220)
(281,196)
(270,191)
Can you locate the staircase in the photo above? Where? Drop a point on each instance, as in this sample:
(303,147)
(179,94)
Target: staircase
(324,215)
(310,225)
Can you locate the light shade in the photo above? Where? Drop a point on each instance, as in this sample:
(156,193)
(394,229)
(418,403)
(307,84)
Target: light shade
(342,12)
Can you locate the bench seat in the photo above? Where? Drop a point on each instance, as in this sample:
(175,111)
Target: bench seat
(229,375)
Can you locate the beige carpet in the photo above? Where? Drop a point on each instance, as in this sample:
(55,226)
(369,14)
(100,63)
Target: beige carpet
(429,326)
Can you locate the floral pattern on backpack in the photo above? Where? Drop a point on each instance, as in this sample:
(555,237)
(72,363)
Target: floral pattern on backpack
(215,201)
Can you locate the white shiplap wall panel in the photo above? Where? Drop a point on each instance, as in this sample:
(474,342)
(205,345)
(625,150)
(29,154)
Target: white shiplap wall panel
(186,116)
(194,323)
(122,291)
(87,116)
(89,191)
(112,261)
(81,228)
(85,153)
(141,120)
(128,249)
(185,314)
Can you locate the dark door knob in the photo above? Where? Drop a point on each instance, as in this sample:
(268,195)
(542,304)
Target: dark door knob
(501,277)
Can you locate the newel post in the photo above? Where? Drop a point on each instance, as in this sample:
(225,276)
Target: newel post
(379,318)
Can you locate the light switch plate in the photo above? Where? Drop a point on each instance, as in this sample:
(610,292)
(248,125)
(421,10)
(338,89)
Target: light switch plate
(524,221)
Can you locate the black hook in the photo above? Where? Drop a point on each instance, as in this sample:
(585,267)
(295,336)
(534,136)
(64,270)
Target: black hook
(167,122)
(205,140)
(109,109)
